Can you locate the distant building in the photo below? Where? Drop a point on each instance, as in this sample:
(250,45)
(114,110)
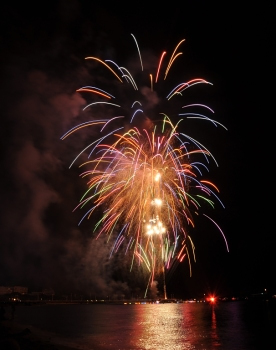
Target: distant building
(48,291)
(5,290)
(20,290)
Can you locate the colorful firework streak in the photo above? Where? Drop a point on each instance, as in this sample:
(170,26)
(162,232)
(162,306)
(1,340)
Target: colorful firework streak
(146,177)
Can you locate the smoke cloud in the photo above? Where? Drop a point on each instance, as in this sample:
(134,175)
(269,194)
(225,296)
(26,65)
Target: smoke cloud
(42,245)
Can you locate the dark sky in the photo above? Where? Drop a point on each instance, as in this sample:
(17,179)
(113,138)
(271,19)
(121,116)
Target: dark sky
(43,46)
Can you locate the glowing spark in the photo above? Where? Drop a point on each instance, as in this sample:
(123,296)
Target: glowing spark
(161,59)
(172,58)
(97,59)
(95,91)
(138,50)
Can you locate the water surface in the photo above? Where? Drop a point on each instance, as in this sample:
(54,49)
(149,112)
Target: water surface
(188,326)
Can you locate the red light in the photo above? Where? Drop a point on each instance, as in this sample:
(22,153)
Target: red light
(211,299)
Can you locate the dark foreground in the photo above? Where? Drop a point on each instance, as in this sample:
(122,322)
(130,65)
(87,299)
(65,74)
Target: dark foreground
(15,337)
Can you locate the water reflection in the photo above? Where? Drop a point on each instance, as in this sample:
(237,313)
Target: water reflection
(214,333)
(187,327)
(160,328)
(173,326)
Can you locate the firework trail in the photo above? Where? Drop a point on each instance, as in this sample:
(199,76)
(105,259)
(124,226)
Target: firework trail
(146,177)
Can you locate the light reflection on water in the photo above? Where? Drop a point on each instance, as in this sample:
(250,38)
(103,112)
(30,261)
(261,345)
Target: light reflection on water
(188,326)
(162,328)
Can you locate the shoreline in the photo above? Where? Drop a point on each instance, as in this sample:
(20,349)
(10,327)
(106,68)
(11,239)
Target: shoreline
(14,336)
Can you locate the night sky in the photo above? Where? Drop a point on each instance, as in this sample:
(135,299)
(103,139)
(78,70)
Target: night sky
(43,50)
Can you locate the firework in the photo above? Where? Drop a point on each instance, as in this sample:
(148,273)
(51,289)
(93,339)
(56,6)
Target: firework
(146,177)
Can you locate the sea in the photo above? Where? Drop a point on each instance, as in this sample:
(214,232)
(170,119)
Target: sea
(237,325)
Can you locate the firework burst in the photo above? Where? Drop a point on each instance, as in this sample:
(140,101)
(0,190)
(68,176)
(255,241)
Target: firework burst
(146,177)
